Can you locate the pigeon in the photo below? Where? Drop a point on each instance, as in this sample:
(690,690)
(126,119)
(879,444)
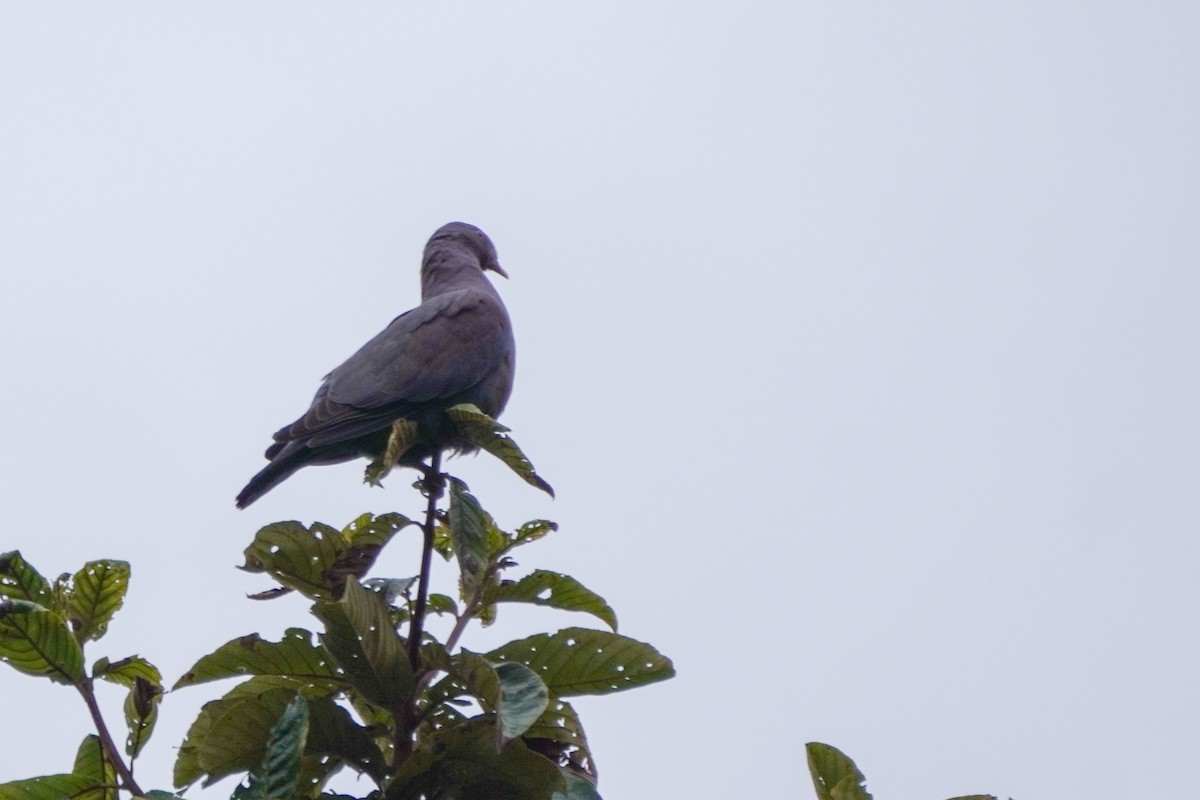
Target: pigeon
(456,347)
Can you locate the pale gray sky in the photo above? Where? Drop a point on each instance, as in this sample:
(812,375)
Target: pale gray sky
(860,341)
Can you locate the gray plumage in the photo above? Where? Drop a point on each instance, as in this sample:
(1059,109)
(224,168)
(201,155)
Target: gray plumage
(456,347)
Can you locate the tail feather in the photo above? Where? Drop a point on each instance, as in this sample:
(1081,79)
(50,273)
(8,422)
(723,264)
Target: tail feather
(271,476)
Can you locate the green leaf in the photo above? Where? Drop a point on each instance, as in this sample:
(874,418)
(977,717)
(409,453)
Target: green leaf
(92,764)
(50,787)
(834,775)
(462,762)
(558,734)
(577,788)
(579,661)
(230,734)
(441,604)
(141,713)
(277,775)
(484,432)
(97,592)
(523,698)
(512,690)
(294,655)
(316,561)
(404,434)
(37,641)
(391,589)
(360,636)
(93,778)
(20,581)
(474,536)
(553,589)
(126,671)
(532,531)
(159,794)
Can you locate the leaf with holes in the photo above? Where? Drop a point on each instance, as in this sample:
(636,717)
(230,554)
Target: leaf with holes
(96,593)
(483,431)
(530,532)
(834,775)
(277,775)
(553,589)
(317,560)
(579,661)
(294,655)
(462,761)
(360,636)
(37,641)
(126,671)
(20,581)
(141,713)
(558,734)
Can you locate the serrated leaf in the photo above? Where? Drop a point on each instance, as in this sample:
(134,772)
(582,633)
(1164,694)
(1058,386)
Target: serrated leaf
(360,636)
(92,764)
(276,776)
(523,698)
(20,581)
(295,655)
(230,734)
(834,775)
(50,787)
(579,661)
(558,734)
(126,671)
(317,560)
(37,641)
(462,762)
(141,713)
(96,593)
(553,589)
(484,432)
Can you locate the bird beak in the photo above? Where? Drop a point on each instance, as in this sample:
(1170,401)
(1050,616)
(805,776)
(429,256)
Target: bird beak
(495,267)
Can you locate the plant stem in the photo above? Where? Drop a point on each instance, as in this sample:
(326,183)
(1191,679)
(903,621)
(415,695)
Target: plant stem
(407,716)
(106,740)
(433,487)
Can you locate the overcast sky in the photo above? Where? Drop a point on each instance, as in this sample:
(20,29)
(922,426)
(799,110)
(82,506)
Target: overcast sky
(859,340)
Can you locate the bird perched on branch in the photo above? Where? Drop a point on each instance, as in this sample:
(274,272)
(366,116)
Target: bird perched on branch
(456,347)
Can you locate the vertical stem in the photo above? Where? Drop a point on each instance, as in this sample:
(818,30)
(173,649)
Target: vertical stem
(433,486)
(407,717)
(106,740)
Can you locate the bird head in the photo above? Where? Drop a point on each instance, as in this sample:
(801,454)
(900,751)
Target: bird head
(465,235)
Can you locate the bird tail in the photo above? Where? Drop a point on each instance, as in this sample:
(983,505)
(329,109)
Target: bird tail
(271,476)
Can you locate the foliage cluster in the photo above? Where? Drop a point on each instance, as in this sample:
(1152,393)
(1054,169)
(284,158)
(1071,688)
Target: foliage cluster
(370,689)
(423,719)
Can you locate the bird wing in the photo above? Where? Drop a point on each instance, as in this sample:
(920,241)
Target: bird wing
(439,349)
